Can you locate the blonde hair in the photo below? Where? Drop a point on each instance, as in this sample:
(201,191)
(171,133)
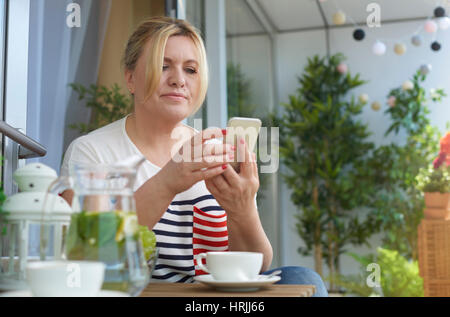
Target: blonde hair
(157,30)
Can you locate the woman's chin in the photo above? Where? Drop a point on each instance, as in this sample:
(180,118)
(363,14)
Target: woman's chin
(170,113)
(176,115)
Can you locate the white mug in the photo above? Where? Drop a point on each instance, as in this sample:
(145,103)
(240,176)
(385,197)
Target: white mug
(231,265)
(65,278)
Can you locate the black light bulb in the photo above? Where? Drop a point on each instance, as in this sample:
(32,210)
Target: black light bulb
(358,34)
(435,46)
(439,12)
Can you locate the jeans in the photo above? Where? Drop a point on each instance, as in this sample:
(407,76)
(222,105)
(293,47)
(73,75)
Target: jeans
(301,275)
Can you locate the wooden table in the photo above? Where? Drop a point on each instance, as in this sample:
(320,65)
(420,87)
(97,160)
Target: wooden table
(201,290)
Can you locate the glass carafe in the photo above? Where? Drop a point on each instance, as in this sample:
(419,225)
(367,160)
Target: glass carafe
(104,224)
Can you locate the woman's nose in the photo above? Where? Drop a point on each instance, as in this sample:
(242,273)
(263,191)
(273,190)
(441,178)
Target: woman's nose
(177,79)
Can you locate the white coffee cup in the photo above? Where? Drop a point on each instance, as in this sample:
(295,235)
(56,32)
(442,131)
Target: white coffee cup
(232,265)
(65,278)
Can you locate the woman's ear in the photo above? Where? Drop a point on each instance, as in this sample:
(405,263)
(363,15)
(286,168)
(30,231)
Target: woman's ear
(129,78)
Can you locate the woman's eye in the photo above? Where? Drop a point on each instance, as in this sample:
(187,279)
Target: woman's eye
(191,70)
(165,67)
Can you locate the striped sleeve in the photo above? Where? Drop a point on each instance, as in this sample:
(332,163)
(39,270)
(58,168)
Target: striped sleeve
(187,228)
(209,233)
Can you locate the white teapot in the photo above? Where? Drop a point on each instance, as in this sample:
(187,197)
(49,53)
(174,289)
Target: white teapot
(25,224)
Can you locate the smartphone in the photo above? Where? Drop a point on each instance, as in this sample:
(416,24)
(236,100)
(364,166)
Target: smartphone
(240,127)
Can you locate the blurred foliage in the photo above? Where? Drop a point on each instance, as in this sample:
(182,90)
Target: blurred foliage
(3,213)
(326,149)
(399,277)
(107,104)
(400,207)
(434,179)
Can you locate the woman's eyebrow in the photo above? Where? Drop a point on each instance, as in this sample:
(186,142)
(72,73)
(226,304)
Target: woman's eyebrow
(189,61)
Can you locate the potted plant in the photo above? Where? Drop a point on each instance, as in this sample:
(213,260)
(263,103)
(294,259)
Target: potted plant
(398,276)
(325,148)
(400,203)
(434,182)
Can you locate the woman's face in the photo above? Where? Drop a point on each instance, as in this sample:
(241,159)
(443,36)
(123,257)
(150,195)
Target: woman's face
(175,97)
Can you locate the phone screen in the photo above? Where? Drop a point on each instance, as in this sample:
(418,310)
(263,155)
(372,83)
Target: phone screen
(240,127)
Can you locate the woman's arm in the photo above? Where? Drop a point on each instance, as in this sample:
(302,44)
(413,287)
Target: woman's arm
(155,195)
(245,233)
(236,194)
(152,200)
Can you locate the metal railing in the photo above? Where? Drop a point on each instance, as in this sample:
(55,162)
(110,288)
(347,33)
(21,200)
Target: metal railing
(28,148)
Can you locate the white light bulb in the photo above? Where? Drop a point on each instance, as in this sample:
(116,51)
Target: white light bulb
(444,23)
(379,48)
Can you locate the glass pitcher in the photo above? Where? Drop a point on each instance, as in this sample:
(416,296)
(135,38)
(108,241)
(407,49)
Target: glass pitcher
(104,224)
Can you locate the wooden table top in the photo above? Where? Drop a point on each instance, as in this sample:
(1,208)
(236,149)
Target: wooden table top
(201,290)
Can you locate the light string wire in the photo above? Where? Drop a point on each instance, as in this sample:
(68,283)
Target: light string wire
(398,39)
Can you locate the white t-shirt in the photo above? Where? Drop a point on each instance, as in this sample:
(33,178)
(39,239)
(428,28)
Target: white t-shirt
(193,223)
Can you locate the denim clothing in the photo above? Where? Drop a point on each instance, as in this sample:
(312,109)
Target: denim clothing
(301,275)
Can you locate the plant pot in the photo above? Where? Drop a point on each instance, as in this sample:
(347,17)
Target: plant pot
(437,206)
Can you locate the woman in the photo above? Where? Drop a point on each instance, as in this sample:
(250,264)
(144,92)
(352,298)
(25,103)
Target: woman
(166,72)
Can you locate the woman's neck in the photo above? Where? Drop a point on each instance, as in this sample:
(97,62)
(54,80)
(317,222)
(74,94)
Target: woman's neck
(153,137)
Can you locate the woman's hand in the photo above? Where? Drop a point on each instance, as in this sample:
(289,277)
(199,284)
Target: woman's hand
(236,192)
(196,161)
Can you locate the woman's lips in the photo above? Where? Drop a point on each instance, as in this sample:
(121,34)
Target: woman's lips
(175,97)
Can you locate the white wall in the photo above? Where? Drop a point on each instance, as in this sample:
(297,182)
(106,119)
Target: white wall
(383,73)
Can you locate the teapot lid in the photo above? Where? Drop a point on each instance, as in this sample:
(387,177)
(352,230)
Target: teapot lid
(34,177)
(37,169)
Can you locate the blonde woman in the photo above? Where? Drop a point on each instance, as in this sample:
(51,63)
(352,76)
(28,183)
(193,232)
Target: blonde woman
(166,72)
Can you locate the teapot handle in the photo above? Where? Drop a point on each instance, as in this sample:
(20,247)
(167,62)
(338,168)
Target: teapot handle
(61,184)
(55,188)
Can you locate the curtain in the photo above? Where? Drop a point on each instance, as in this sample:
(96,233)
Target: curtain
(60,55)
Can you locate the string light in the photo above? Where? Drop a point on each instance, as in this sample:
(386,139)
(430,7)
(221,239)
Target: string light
(437,20)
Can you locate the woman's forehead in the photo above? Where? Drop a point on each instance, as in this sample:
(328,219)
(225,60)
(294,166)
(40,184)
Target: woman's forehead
(181,48)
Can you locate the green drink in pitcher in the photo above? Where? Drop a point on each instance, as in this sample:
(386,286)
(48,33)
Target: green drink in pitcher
(114,238)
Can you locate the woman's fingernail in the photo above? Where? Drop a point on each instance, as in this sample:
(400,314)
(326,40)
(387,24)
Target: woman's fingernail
(224,166)
(242,141)
(233,148)
(224,131)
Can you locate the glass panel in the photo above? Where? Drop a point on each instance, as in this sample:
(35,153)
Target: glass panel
(2,49)
(195,14)
(250,93)
(249,71)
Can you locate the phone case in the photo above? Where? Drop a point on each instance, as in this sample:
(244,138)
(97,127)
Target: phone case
(239,127)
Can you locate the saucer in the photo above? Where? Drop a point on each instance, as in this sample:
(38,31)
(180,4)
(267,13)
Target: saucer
(27,293)
(237,286)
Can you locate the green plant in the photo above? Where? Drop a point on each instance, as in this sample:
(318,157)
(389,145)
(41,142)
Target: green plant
(399,208)
(107,104)
(398,277)
(325,148)
(434,179)
(3,213)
